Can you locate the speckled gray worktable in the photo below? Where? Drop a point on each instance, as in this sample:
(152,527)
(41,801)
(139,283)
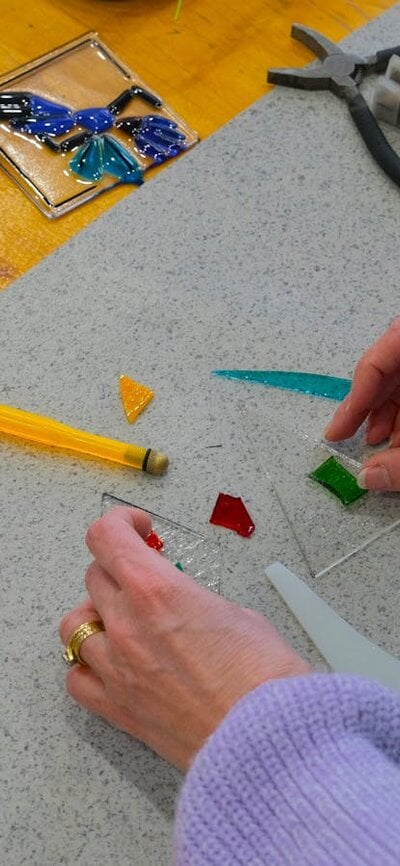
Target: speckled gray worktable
(272,244)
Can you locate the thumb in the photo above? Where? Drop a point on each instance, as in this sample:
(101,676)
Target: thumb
(381,472)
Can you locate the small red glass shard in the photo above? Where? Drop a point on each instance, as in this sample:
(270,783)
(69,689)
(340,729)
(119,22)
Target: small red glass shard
(154,541)
(230,512)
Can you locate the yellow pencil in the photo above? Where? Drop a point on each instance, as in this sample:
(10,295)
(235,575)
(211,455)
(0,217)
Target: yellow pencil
(37,428)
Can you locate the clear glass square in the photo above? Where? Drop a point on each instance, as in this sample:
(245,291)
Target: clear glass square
(199,557)
(279,449)
(327,531)
(81,74)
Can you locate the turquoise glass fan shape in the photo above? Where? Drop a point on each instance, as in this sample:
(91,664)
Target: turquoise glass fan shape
(120,163)
(105,155)
(88,160)
(331,387)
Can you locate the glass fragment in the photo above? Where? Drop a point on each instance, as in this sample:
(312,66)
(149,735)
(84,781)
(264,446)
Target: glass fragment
(332,475)
(154,541)
(88,161)
(230,512)
(315,384)
(134,396)
(94,119)
(198,556)
(156,137)
(102,155)
(120,163)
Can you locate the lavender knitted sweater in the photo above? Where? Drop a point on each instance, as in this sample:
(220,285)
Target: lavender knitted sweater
(303,771)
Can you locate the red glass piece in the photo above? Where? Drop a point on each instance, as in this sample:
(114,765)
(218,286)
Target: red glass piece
(154,541)
(230,511)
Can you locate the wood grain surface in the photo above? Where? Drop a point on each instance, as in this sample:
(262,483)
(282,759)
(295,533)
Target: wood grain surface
(209,63)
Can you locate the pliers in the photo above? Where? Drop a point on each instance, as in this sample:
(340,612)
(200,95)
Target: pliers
(342,73)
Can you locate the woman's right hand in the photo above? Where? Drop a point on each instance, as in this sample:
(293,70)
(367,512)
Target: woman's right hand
(375,396)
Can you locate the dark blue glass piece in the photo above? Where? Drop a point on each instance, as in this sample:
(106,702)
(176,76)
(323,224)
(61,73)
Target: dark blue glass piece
(156,137)
(95,119)
(163,135)
(162,127)
(47,108)
(160,141)
(157,151)
(88,161)
(56,125)
(120,163)
(45,117)
(160,120)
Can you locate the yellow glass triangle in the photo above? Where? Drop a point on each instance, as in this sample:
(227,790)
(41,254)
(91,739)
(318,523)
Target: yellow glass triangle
(134,396)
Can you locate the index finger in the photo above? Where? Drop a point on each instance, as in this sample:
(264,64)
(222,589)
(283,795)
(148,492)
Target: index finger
(116,541)
(373,381)
(120,529)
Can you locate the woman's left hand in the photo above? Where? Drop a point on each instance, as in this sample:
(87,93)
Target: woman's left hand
(174,657)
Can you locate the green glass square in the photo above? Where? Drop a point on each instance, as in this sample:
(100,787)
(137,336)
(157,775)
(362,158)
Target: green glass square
(338,480)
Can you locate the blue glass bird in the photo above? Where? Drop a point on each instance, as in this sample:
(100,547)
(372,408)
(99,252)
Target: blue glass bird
(98,153)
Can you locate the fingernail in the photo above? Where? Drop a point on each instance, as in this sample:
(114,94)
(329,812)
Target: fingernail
(374,478)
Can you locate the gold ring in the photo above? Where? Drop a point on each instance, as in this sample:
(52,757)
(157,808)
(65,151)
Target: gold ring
(71,654)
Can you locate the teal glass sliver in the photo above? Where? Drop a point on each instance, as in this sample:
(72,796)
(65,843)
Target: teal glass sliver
(332,475)
(331,387)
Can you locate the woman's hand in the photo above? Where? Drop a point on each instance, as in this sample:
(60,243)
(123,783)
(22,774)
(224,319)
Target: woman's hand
(375,395)
(174,657)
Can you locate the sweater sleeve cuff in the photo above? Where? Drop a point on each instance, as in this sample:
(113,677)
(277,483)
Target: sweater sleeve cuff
(303,770)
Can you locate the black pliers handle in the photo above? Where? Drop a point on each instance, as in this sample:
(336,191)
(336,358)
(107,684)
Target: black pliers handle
(342,73)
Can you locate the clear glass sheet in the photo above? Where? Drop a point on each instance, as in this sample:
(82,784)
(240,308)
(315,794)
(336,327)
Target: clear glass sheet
(80,74)
(276,442)
(198,557)
(327,531)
